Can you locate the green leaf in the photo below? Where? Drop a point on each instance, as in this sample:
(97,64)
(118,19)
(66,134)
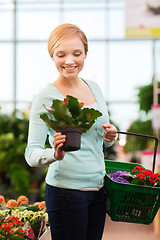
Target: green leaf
(138,181)
(54,125)
(33,208)
(48,110)
(91,114)
(16,238)
(61,112)
(73,106)
(46,119)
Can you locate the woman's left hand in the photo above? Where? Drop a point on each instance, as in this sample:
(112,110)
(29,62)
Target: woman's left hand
(110,132)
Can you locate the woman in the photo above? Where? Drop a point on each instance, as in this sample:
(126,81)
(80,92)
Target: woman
(74,193)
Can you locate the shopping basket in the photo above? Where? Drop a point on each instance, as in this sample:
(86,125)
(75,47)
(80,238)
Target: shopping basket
(129,202)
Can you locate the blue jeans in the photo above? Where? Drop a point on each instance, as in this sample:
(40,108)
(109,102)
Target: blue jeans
(75,214)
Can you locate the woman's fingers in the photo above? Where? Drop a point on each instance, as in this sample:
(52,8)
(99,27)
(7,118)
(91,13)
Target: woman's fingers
(110,132)
(58,142)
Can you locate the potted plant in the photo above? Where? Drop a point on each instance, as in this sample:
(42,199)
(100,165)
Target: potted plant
(70,118)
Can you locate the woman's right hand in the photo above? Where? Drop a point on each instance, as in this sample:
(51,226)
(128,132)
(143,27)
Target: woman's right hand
(58,141)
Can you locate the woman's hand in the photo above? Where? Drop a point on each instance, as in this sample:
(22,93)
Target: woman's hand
(110,132)
(58,141)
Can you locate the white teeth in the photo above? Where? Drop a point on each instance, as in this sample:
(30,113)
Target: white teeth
(70,68)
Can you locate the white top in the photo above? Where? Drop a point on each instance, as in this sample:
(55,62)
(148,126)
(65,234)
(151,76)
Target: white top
(94,105)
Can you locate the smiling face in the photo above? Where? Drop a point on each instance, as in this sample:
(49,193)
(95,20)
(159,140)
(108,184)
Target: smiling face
(69,57)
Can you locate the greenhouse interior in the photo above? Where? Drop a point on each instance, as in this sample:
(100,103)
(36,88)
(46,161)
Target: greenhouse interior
(123,58)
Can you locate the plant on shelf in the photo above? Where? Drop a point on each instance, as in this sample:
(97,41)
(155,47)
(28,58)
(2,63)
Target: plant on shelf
(18,218)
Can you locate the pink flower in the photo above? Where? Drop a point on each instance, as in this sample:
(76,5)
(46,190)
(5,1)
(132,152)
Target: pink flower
(42,205)
(12,203)
(2,200)
(22,200)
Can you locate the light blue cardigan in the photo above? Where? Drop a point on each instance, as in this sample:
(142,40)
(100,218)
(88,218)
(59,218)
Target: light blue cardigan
(80,169)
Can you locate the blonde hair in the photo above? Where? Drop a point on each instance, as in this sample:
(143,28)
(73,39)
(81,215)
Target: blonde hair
(65,31)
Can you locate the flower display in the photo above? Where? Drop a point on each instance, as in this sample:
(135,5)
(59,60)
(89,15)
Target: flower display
(68,113)
(11,228)
(139,176)
(145,177)
(19,220)
(120,176)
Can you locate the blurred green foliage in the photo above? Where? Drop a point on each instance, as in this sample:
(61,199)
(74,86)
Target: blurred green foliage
(135,143)
(16,175)
(143,125)
(145,97)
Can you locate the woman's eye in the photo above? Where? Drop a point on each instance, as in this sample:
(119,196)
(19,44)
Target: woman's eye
(60,56)
(77,54)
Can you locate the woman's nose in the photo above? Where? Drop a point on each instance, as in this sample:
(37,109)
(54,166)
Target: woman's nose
(69,60)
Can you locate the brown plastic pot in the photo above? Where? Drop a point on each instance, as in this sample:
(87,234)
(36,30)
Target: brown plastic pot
(73,138)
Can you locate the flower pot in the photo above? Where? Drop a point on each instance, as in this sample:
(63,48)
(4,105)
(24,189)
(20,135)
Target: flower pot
(73,138)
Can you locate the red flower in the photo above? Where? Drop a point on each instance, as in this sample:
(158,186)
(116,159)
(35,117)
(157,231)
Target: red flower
(20,230)
(65,101)
(89,114)
(153,178)
(81,103)
(141,176)
(137,168)
(147,172)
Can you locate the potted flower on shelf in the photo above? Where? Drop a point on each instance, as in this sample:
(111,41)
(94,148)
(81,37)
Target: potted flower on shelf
(20,220)
(71,118)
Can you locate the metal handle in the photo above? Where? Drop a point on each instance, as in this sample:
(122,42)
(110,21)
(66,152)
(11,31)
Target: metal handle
(147,136)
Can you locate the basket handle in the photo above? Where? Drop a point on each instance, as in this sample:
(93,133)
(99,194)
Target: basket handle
(147,136)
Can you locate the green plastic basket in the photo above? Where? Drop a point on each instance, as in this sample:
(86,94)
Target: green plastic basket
(128,202)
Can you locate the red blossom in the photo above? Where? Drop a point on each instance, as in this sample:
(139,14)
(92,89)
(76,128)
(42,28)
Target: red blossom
(20,230)
(147,175)
(65,101)
(81,103)
(137,168)
(10,225)
(141,176)
(147,172)
(89,114)
(153,178)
